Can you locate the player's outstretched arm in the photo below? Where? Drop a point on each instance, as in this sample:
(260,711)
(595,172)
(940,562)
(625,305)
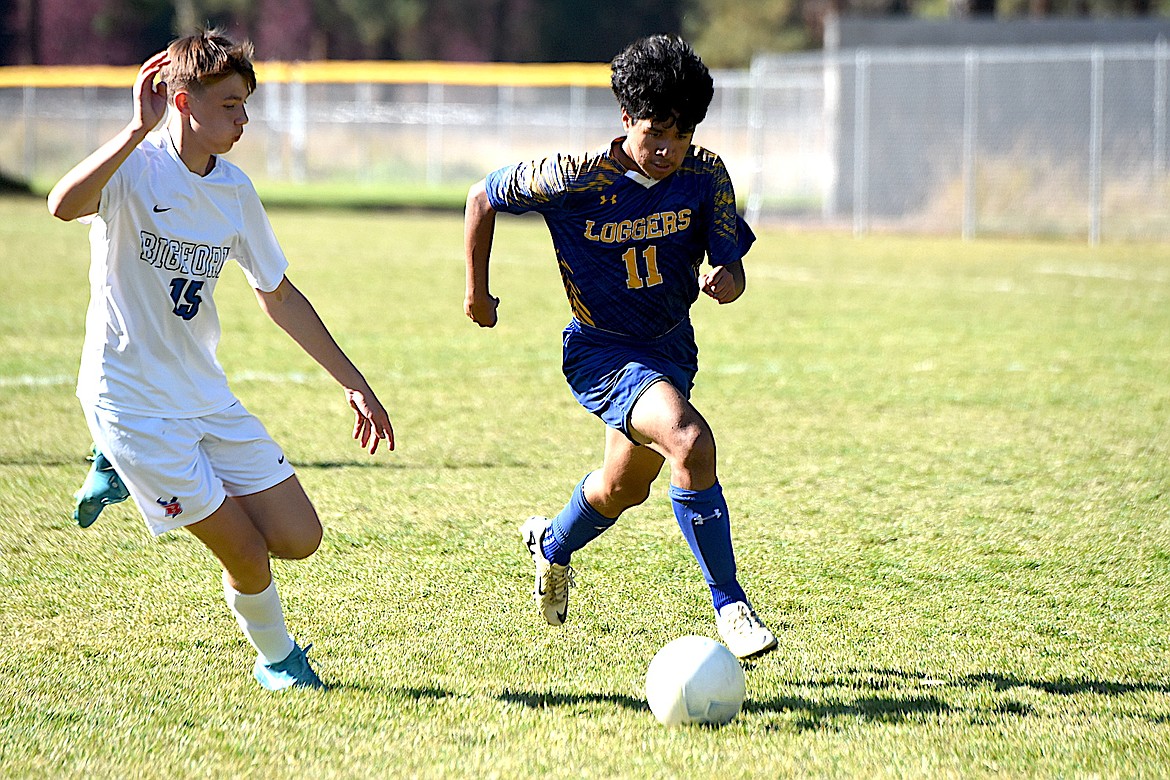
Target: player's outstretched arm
(291,310)
(724,283)
(79,192)
(479,225)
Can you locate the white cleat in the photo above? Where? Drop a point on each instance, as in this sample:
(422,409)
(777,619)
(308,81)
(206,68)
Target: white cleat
(552,580)
(743,632)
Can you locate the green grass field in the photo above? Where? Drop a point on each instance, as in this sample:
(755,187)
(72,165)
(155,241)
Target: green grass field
(948,470)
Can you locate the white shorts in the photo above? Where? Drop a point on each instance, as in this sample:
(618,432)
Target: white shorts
(179,471)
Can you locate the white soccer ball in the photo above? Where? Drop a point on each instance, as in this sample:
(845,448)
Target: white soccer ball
(694,679)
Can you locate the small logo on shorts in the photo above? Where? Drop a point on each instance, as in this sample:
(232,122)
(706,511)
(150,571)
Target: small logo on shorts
(280,459)
(173,508)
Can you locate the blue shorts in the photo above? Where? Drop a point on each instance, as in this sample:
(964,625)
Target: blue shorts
(608,372)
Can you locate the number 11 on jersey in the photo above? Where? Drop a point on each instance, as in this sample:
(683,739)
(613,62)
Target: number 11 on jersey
(634,279)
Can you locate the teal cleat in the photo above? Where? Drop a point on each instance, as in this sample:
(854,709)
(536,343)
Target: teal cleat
(293,671)
(101,488)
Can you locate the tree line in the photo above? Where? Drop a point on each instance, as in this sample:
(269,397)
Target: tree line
(726,32)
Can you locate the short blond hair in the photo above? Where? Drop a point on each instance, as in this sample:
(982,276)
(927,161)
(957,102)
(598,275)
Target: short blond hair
(205,58)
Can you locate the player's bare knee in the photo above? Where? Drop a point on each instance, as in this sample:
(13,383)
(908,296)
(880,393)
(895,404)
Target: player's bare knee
(694,451)
(296,547)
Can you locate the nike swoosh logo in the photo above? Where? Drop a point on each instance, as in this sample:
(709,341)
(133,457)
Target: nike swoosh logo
(160,210)
(281,459)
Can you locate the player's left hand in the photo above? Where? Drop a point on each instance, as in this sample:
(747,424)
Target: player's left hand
(371,423)
(482,310)
(719,284)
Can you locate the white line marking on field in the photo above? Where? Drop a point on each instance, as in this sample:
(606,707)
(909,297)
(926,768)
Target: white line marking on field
(62,380)
(1104,272)
(977,284)
(295,377)
(27,380)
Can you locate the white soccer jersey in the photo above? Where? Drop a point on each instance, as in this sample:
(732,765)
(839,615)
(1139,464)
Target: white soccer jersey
(159,242)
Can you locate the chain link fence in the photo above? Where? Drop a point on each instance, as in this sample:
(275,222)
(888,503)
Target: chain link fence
(1064,141)
(1067,141)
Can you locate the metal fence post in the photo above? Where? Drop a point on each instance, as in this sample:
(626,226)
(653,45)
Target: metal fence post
(274,157)
(1095,131)
(1160,56)
(831,121)
(434,134)
(861,144)
(970,121)
(755,141)
(364,101)
(28,107)
(506,117)
(576,115)
(299,129)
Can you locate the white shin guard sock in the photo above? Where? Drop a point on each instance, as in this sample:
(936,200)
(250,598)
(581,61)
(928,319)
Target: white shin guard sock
(261,619)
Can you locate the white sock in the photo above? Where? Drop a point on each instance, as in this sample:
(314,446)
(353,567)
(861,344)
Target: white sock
(261,619)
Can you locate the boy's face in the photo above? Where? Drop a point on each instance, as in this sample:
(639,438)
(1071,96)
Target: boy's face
(656,147)
(218,114)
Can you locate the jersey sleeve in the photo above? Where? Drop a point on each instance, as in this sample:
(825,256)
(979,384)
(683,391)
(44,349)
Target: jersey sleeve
(260,255)
(114,192)
(528,186)
(744,235)
(728,235)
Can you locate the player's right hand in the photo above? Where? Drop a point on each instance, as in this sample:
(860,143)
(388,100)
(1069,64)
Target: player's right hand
(482,310)
(151,98)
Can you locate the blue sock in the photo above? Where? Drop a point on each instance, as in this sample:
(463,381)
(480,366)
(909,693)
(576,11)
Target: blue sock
(703,518)
(577,525)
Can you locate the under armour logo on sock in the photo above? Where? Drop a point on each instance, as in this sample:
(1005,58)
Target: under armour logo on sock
(699,519)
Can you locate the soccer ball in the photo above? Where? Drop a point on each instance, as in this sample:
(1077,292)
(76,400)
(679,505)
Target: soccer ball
(694,679)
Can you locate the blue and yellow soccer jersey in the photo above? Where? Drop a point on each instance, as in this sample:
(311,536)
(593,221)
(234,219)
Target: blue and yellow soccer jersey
(629,248)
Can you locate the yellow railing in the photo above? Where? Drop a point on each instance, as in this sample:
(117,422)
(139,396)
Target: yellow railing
(571,74)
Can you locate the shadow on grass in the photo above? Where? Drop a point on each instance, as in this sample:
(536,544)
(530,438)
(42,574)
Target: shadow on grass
(410,692)
(377,462)
(813,715)
(543,700)
(1061,687)
(876,708)
(885,678)
(870,708)
(897,708)
(374,462)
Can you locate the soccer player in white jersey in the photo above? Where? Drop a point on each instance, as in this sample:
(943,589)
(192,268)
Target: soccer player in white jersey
(631,224)
(166,212)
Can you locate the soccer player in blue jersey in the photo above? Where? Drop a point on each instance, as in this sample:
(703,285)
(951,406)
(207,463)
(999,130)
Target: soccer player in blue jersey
(631,223)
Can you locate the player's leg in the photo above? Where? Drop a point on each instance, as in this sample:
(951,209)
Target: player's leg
(286,519)
(235,538)
(622,481)
(271,515)
(678,431)
(675,429)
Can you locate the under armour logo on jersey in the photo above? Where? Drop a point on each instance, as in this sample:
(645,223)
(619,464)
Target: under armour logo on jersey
(611,199)
(699,519)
